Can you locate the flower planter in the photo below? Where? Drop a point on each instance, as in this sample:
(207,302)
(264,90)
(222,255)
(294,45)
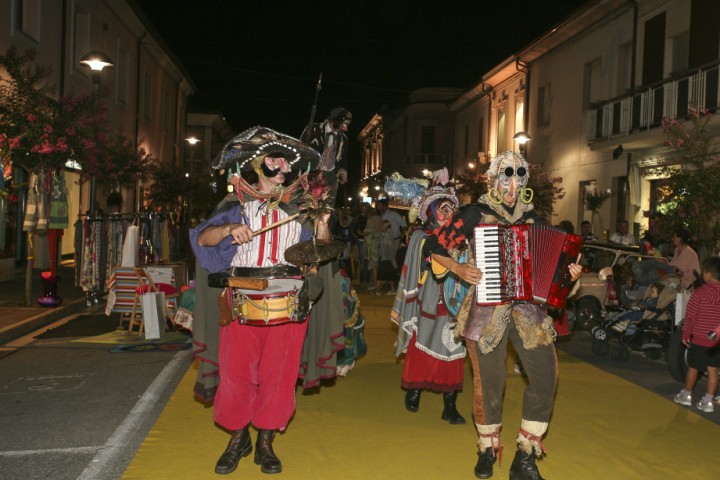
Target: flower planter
(7,269)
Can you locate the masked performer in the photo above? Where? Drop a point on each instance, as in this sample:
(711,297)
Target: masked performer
(330,139)
(434,357)
(262,332)
(487,329)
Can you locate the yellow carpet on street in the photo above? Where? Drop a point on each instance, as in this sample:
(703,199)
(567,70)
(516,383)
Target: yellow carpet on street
(602,427)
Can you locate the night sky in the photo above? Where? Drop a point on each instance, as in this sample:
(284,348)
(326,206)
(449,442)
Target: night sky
(257,62)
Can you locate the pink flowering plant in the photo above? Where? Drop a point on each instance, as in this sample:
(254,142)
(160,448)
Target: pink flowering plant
(40,131)
(688,192)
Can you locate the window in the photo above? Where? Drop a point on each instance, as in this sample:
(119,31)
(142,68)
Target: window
(167,110)
(427,139)
(123,76)
(680,51)
(501,139)
(467,141)
(481,135)
(624,77)
(81,36)
(27,18)
(591,82)
(520,116)
(704,33)
(654,49)
(543,106)
(147,96)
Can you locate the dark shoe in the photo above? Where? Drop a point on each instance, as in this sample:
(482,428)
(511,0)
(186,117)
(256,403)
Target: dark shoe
(450,412)
(238,447)
(523,467)
(484,466)
(412,400)
(264,455)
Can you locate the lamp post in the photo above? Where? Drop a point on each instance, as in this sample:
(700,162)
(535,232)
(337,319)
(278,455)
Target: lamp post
(97,61)
(522,138)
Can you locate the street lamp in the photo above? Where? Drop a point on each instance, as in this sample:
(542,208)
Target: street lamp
(522,138)
(97,62)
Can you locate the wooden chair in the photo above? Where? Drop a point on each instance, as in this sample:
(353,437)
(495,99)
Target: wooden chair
(146,284)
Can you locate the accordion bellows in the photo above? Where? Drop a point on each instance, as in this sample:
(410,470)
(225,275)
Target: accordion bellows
(524,263)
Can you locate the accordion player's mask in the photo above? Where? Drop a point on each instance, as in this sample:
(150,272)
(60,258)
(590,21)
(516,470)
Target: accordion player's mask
(509,174)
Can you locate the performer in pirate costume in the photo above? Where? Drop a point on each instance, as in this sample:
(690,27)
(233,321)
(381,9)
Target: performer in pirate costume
(434,357)
(330,139)
(487,329)
(261,333)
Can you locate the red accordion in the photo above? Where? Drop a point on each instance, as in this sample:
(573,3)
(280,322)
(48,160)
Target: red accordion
(524,263)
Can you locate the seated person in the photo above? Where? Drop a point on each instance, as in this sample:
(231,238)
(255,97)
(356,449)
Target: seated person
(649,303)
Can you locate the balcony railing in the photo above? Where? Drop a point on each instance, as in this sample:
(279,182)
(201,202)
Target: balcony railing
(645,109)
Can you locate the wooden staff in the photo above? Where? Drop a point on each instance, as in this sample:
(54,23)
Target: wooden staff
(273,225)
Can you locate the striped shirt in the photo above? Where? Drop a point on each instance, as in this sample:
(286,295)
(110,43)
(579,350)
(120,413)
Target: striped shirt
(268,248)
(702,315)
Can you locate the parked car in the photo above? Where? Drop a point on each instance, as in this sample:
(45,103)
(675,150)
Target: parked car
(597,291)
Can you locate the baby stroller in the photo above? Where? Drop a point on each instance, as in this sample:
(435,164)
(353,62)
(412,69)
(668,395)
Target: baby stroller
(647,330)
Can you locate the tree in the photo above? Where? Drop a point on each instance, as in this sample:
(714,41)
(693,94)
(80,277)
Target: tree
(688,192)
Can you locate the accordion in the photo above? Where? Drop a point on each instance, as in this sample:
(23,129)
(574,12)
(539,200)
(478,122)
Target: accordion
(524,263)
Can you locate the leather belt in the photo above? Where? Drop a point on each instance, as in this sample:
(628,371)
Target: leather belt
(276,271)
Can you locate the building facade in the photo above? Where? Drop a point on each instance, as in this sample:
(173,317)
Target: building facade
(146,90)
(591,93)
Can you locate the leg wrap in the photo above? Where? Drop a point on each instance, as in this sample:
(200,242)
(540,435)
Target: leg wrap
(489,437)
(530,437)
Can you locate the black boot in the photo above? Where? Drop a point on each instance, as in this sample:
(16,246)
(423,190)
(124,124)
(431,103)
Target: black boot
(412,400)
(484,466)
(523,467)
(264,455)
(238,447)
(450,412)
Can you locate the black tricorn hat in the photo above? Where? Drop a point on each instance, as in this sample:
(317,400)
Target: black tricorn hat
(339,114)
(254,142)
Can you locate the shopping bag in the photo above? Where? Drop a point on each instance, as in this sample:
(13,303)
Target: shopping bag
(681,301)
(183,318)
(153,310)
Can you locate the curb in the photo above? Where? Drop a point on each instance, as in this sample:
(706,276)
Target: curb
(19,329)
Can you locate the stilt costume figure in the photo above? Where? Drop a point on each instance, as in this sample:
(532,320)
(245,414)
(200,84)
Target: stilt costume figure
(434,357)
(262,329)
(487,329)
(330,139)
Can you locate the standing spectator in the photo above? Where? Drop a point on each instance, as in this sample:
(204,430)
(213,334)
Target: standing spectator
(702,317)
(567,226)
(622,236)
(586,232)
(397,222)
(372,234)
(685,259)
(357,230)
(387,265)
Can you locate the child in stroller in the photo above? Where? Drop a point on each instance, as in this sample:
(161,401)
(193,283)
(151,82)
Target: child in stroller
(642,324)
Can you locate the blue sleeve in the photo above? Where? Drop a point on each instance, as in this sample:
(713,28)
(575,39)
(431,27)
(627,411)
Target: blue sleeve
(218,258)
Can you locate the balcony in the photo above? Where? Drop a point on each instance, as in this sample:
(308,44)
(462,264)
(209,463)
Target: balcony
(644,110)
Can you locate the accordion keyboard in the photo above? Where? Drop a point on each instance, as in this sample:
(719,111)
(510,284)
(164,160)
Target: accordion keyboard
(488,258)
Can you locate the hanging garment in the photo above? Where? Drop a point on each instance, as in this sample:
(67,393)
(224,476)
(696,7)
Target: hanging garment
(36,214)
(130,253)
(59,217)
